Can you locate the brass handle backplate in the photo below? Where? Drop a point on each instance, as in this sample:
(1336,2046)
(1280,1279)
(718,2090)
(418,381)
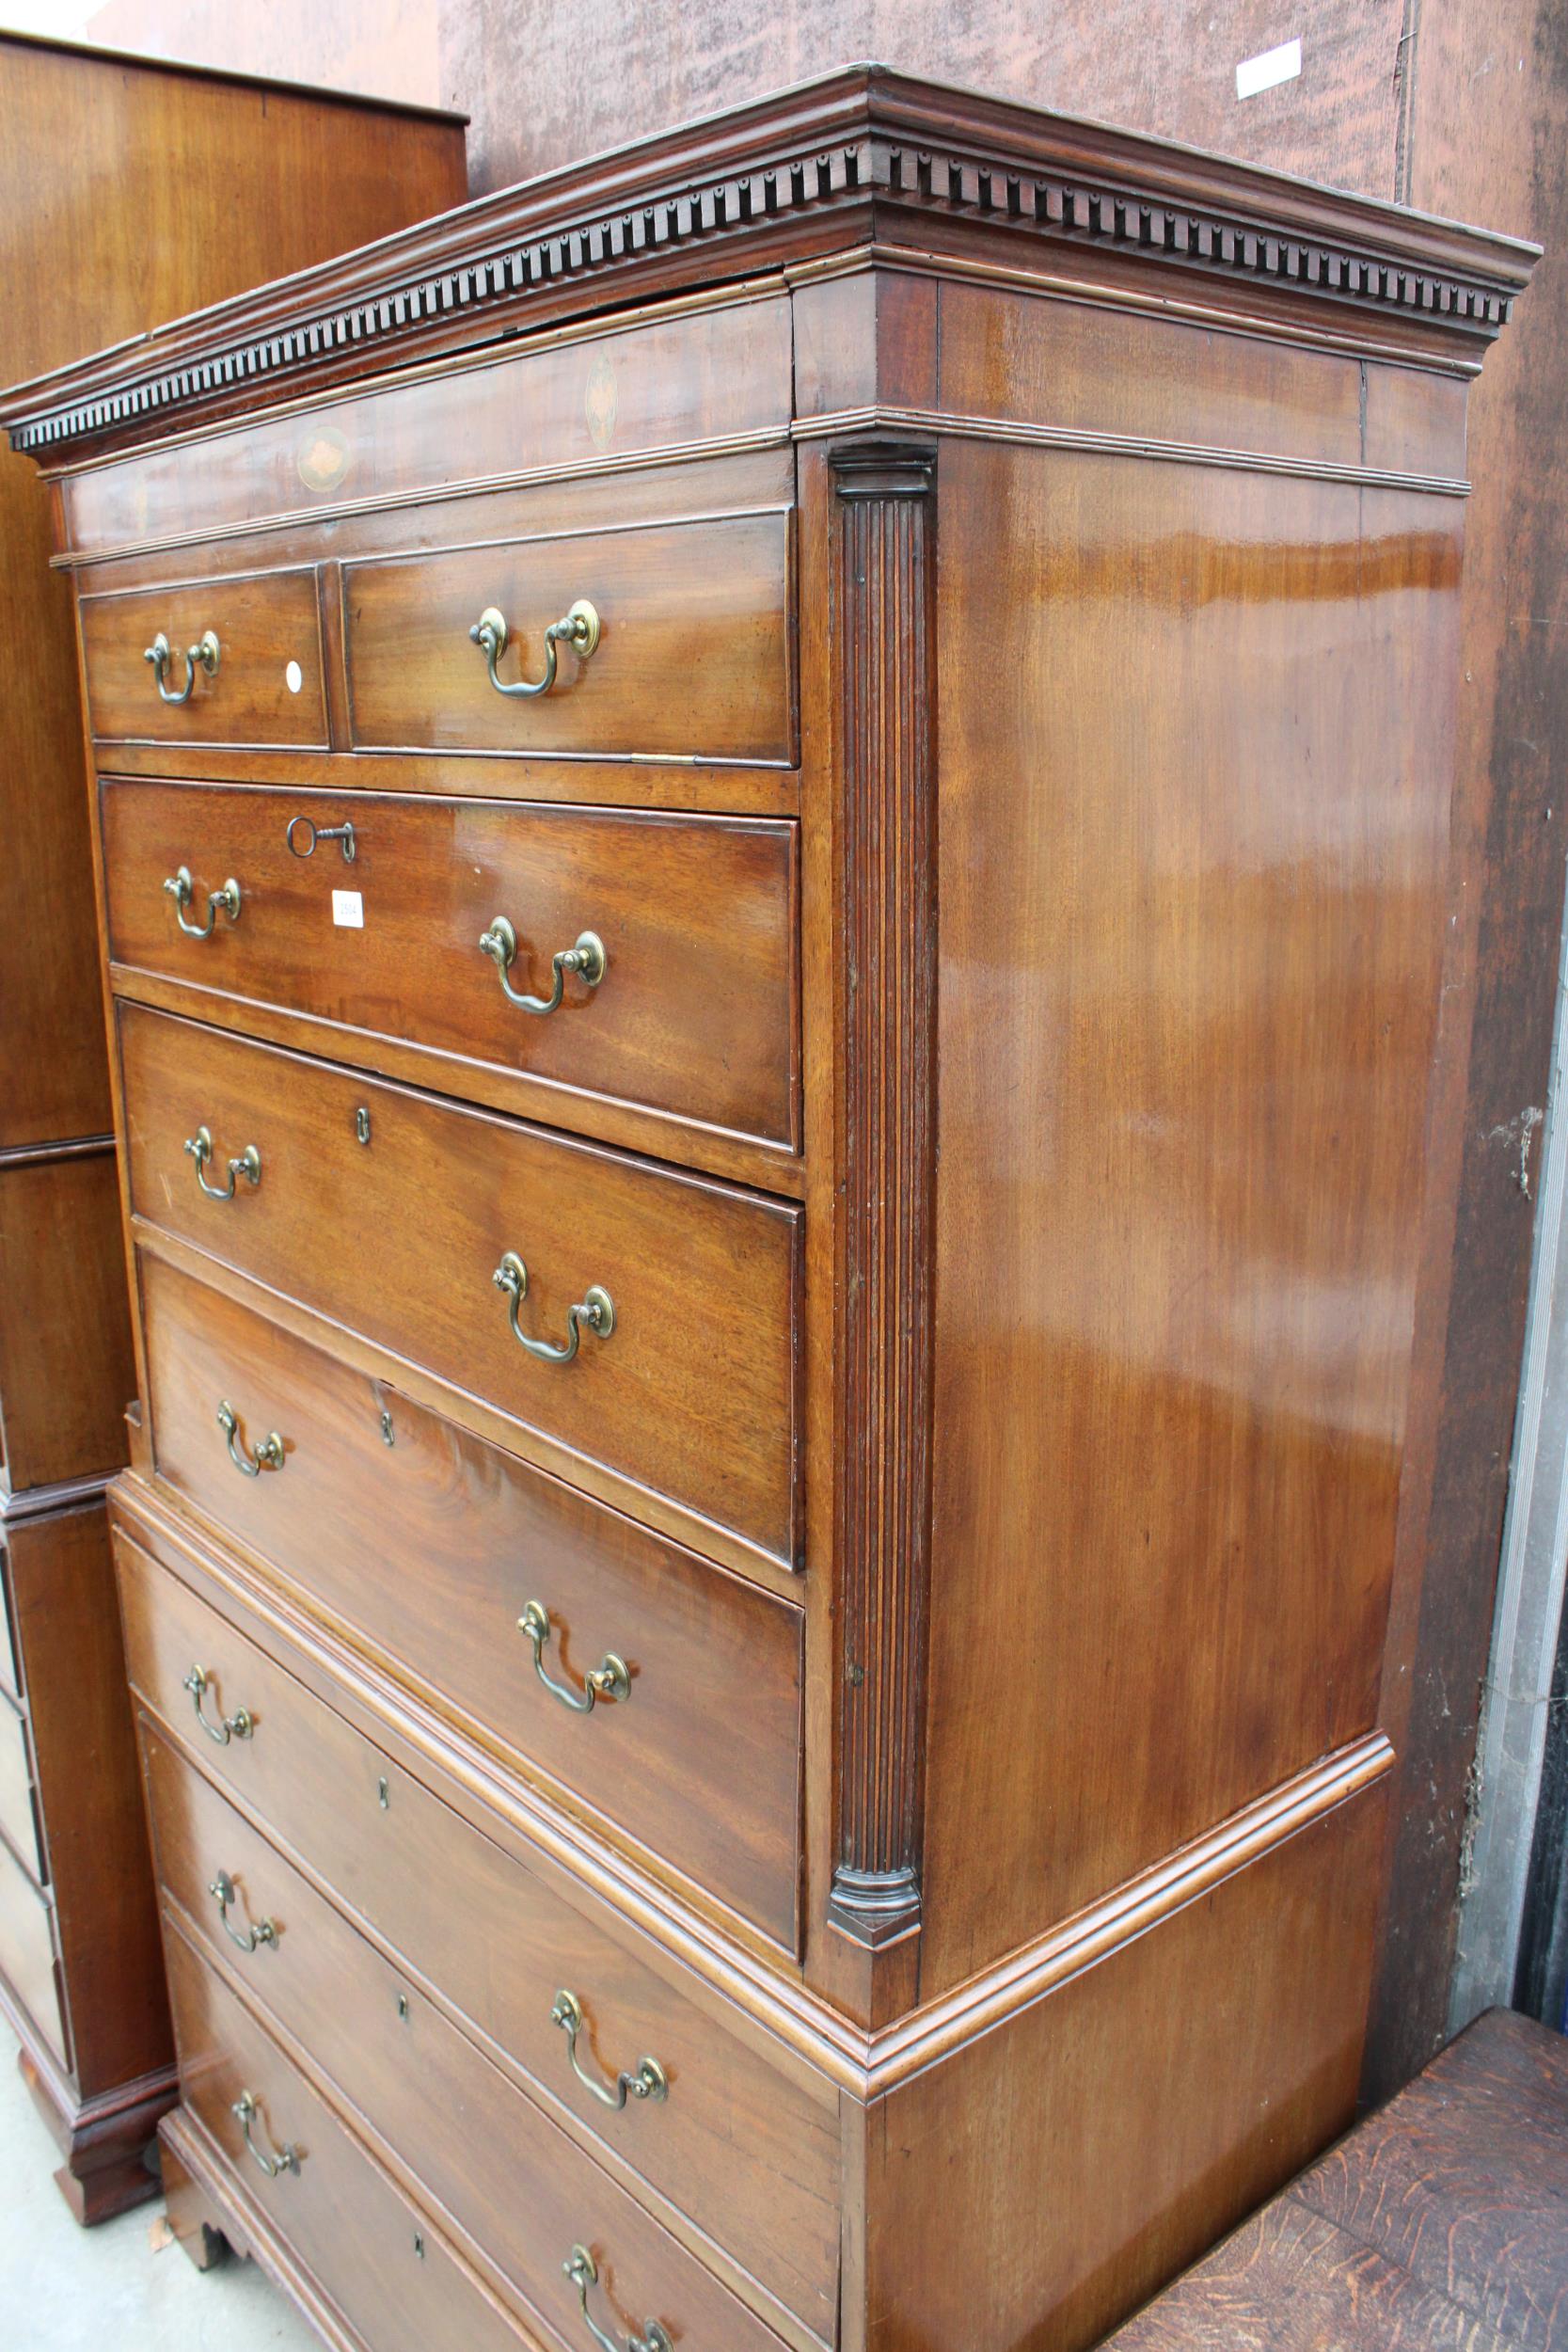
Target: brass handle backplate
(577,627)
(268,1455)
(203,655)
(587,959)
(182,890)
(247,1164)
(236,1727)
(248,2110)
(583,2271)
(223,1892)
(595,1308)
(649,2082)
(608,1679)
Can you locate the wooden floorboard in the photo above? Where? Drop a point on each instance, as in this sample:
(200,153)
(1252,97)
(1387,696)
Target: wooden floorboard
(1440,2224)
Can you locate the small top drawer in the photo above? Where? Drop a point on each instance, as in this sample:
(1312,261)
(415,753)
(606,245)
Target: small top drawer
(233,660)
(680,646)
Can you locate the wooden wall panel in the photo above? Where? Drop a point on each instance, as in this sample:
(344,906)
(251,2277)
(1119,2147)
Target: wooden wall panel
(1488,139)
(547,83)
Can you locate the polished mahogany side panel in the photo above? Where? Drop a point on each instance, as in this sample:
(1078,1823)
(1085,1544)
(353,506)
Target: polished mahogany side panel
(400,1238)
(1097,2139)
(700,1761)
(694,1015)
(1193,824)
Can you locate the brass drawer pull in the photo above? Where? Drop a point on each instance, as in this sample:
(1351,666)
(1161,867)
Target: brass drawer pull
(181,889)
(500,942)
(246,2108)
(247,1165)
(578,627)
(595,1308)
(268,1455)
(608,1679)
(583,2271)
(313,832)
(649,2082)
(223,1893)
(203,655)
(236,1727)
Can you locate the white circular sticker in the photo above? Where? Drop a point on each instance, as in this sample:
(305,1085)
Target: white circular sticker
(293,677)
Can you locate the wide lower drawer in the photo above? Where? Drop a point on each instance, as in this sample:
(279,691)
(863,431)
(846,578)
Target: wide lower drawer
(692,1013)
(374,2253)
(257,676)
(397,1214)
(430,1545)
(691,655)
(18,1820)
(745,2143)
(27,1951)
(520,2188)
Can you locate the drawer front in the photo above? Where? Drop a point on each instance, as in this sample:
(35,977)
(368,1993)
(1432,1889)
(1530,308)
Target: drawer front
(374,2253)
(692,657)
(428,1548)
(18,1820)
(517,2184)
(693,1016)
(268,629)
(27,1951)
(692,1392)
(745,2136)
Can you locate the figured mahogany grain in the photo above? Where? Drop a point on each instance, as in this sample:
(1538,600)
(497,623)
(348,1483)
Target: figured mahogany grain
(693,658)
(429,2095)
(1155,2114)
(1194,816)
(739,2145)
(692,1393)
(702,1763)
(695,1016)
(262,624)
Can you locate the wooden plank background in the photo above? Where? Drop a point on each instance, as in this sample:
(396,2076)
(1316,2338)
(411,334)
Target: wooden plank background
(1445,105)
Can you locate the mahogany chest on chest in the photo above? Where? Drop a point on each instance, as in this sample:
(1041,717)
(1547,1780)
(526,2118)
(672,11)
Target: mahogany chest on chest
(772,822)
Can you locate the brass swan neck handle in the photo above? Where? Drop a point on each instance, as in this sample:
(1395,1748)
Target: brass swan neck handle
(578,627)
